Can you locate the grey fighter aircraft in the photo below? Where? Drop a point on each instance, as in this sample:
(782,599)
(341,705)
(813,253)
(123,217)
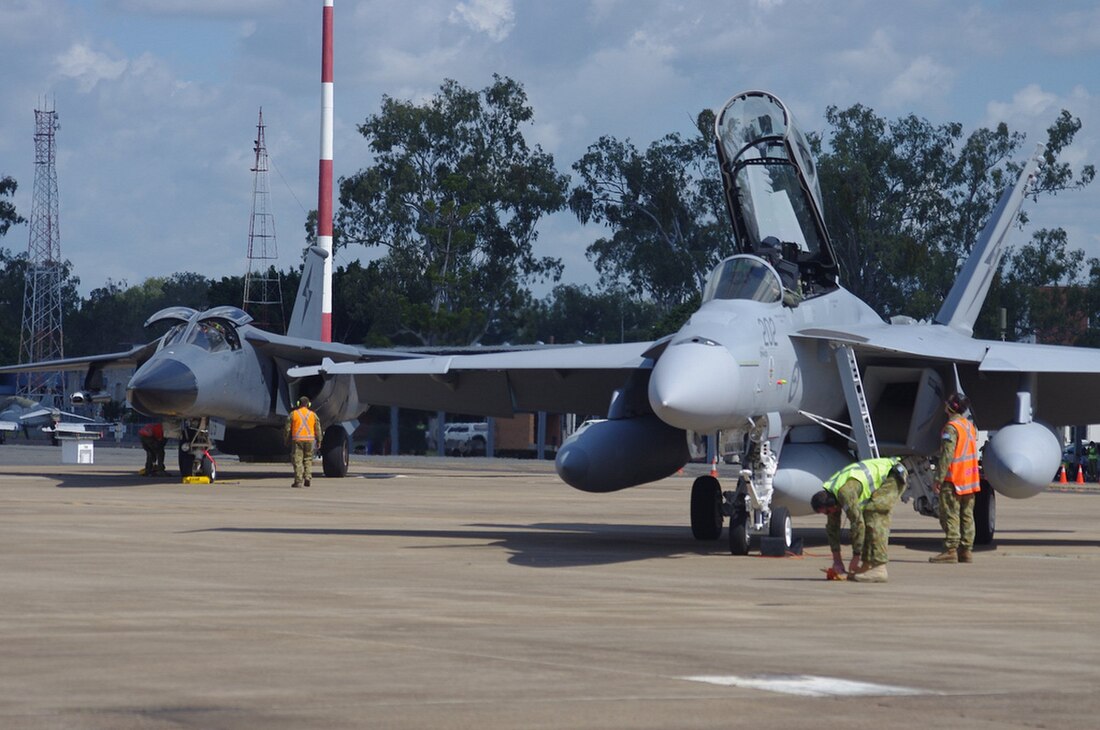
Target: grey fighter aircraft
(217,380)
(780,355)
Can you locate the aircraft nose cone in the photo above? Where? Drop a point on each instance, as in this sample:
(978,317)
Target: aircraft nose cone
(695,386)
(163,387)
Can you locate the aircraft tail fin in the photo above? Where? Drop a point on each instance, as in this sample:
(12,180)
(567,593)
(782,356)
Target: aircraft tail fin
(305,320)
(963,303)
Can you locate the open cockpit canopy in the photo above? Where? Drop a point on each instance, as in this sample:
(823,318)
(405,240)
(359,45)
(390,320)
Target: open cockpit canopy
(771,188)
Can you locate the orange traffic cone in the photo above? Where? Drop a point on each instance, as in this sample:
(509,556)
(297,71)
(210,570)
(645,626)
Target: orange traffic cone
(1062,475)
(1080,474)
(714,467)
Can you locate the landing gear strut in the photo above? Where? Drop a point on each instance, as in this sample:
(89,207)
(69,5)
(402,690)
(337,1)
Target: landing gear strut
(194,455)
(749,507)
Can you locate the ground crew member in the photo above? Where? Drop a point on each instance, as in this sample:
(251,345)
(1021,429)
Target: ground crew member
(866,492)
(958,482)
(153,441)
(1092,454)
(303,435)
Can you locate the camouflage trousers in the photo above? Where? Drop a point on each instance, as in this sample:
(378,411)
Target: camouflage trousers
(876,520)
(956,518)
(301,456)
(154,454)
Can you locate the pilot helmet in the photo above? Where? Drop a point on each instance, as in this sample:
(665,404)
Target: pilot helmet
(770,248)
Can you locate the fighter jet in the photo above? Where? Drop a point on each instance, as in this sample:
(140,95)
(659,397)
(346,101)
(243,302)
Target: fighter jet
(17,412)
(218,381)
(781,357)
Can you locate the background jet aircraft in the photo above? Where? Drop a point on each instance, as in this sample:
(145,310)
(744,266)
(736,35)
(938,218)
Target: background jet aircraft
(780,353)
(221,382)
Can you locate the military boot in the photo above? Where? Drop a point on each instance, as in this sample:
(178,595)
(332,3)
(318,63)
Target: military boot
(965,555)
(947,556)
(876,574)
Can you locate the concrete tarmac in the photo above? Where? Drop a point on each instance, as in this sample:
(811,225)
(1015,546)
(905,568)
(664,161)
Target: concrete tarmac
(467,593)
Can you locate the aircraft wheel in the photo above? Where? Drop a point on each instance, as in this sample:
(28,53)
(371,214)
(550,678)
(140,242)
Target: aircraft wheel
(187,463)
(780,525)
(335,452)
(208,468)
(739,533)
(706,508)
(985,515)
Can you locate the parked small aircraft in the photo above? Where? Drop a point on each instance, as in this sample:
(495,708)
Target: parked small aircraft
(780,353)
(217,380)
(17,412)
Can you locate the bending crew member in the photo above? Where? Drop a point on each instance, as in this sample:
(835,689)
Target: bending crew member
(866,492)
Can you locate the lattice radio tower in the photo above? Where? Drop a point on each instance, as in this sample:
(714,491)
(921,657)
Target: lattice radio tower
(41,337)
(263,294)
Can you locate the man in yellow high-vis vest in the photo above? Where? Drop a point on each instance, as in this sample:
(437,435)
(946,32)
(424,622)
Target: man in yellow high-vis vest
(303,435)
(957,482)
(866,492)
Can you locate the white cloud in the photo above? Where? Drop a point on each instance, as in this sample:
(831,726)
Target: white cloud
(1028,104)
(1076,31)
(495,18)
(88,67)
(923,77)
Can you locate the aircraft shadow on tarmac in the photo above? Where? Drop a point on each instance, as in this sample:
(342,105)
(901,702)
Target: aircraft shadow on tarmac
(546,545)
(126,478)
(564,545)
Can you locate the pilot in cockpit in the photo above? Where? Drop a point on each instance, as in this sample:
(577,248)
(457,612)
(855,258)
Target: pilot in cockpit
(771,250)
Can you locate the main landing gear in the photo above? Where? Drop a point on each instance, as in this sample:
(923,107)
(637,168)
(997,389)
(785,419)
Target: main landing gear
(749,507)
(335,451)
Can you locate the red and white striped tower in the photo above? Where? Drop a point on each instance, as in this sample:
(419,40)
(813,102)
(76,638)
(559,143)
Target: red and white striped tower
(324,187)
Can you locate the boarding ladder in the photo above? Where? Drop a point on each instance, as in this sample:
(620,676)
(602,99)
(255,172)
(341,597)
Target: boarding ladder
(863,432)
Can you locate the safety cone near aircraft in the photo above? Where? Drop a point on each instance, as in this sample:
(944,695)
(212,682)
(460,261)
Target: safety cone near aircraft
(1062,475)
(1080,474)
(714,467)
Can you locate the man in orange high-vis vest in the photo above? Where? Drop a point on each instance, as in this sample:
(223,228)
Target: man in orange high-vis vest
(303,435)
(958,482)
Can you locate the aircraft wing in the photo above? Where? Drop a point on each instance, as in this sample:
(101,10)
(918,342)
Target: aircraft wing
(1067,378)
(42,414)
(303,351)
(560,379)
(129,358)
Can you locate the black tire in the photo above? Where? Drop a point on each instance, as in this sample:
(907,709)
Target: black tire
(477,446)
(985,515)
(706,508)
(187,463)
(780,525)
(208,468)
(335,452)
(740,540)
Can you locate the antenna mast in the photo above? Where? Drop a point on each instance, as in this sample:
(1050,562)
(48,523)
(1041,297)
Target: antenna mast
(324,182)
(263,295)
(41,337)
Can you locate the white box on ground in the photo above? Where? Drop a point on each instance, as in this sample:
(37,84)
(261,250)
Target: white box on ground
(74,451)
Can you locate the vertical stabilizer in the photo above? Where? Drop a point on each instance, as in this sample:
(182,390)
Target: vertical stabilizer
(305,321)
(963,303)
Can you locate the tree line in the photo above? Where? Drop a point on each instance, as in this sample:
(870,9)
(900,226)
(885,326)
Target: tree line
(454,194)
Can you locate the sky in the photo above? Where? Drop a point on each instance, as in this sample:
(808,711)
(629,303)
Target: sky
(158,99)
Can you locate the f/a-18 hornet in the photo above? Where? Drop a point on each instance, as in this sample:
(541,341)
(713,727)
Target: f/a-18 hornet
(780,354)
(217,380)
